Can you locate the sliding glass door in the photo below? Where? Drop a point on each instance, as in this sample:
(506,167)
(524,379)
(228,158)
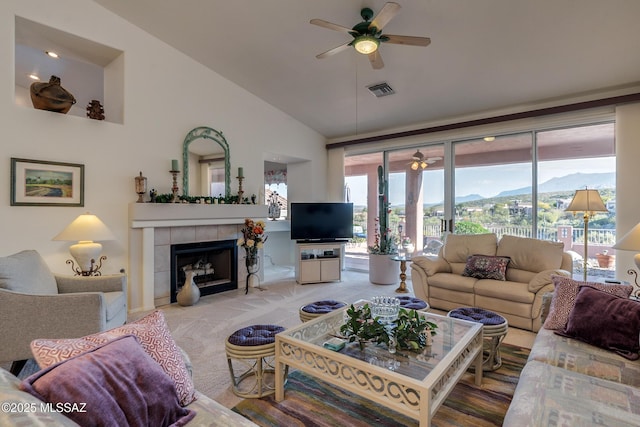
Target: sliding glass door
(493,185)
(518,184)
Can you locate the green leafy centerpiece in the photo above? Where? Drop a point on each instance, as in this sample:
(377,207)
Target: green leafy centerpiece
(410,330)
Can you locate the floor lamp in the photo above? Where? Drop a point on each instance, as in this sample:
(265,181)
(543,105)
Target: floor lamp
(588,202)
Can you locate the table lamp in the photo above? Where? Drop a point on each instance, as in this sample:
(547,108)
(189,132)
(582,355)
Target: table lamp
(86,229)
(631,242)
(588,202)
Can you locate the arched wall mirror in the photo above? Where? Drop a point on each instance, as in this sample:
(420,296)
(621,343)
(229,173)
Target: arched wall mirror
(205,159)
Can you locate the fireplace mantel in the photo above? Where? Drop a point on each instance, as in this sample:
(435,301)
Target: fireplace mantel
(191,222)
(144,215)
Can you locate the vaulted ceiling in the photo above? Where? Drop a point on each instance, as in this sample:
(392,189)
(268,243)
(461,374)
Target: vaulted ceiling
(484,54)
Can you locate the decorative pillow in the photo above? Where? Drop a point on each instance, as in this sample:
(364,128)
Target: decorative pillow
(116,384)
(607,321)
(486,267)
(156,340)
(564,296)
(27,272)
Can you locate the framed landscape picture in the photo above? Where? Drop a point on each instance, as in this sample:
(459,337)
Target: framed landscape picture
(43,183)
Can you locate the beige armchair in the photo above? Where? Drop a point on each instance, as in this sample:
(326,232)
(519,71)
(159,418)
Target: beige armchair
(34,303)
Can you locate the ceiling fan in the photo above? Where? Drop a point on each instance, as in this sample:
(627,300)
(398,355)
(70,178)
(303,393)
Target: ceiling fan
(367,35)
(419,161)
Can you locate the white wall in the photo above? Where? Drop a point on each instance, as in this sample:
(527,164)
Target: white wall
(166,95)
(628,177)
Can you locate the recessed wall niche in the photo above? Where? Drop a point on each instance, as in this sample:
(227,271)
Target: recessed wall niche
(87,69)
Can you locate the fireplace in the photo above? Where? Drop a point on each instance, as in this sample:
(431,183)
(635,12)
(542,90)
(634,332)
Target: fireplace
(213,262)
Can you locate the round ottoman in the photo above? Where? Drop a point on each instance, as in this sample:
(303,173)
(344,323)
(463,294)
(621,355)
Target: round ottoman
(494,329)
(412,303)
(250,355)
(318,308)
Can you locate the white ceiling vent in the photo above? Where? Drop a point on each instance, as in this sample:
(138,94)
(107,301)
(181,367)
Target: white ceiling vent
(381,89)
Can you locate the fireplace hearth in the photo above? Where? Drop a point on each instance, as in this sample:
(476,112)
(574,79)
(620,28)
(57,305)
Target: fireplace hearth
(215,264)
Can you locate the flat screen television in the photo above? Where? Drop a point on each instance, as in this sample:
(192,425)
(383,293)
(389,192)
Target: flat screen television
(324,222)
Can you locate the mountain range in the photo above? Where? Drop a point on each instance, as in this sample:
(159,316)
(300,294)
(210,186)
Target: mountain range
(575,181)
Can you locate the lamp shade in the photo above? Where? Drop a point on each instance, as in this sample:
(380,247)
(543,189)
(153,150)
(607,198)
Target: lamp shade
(587,201)
(630,241)
(86,227)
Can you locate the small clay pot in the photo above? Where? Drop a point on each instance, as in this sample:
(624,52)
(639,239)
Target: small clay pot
(51,96)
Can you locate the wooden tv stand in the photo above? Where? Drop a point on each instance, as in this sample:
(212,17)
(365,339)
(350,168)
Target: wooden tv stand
(319,262)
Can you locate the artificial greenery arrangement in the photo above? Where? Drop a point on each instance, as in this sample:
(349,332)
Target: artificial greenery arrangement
(384,242)
(412,331)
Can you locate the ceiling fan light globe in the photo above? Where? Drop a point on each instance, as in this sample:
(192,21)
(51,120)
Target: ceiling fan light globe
(414,166)
(423,165)
(366,44)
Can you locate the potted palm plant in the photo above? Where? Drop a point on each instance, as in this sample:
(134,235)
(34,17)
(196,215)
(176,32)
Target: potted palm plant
(382,269)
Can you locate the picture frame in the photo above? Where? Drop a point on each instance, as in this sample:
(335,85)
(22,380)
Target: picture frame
(46,183)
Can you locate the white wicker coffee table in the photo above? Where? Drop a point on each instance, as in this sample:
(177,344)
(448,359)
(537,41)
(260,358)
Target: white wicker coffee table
(414,384)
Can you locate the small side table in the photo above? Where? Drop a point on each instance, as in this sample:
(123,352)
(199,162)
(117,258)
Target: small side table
(402,289)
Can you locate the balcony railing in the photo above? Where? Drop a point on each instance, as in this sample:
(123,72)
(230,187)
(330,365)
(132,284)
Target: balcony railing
(597,236)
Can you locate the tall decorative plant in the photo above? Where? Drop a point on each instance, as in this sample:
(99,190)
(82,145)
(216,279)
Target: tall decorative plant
(384,243)
(252,239)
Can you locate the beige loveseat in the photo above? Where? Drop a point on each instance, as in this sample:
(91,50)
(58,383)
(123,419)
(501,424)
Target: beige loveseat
(440,280)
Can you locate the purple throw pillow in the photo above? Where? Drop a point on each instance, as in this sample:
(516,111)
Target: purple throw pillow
(486,267)
(564,297)
(605,320)
(115,384)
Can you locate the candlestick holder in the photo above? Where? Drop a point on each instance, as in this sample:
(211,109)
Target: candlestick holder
(141,187)
(174,187)
(240,190)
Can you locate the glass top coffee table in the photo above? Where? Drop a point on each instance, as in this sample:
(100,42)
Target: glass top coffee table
(414,384)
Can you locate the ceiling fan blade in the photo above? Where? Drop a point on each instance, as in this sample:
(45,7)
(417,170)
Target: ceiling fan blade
(385,15)
(376,60)
(331,26)
(333,51)
(407,40)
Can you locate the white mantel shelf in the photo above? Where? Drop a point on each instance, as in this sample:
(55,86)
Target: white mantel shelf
(153,215)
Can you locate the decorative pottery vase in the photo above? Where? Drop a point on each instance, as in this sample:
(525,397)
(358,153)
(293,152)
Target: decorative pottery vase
(383,270)
(51,96)
(189,294)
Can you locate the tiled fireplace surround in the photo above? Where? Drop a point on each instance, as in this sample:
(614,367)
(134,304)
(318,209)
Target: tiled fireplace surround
(155,227)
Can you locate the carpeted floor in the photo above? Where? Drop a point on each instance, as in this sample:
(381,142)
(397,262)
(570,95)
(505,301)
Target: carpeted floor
(314,403)
(202,329)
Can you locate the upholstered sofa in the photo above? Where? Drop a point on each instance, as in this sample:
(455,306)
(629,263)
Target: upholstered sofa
(20,404)
(153,380)
(508,277)
(579,376)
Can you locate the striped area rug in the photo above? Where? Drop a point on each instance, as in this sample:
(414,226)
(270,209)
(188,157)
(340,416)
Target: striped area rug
(310,402)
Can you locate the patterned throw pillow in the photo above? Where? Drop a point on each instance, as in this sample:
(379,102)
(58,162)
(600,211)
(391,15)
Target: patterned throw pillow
(140,394)
(564,297)
(486,267)
(606,321)
(154,336)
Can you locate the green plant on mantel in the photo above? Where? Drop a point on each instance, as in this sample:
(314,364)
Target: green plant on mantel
(384,242)
(230,200)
